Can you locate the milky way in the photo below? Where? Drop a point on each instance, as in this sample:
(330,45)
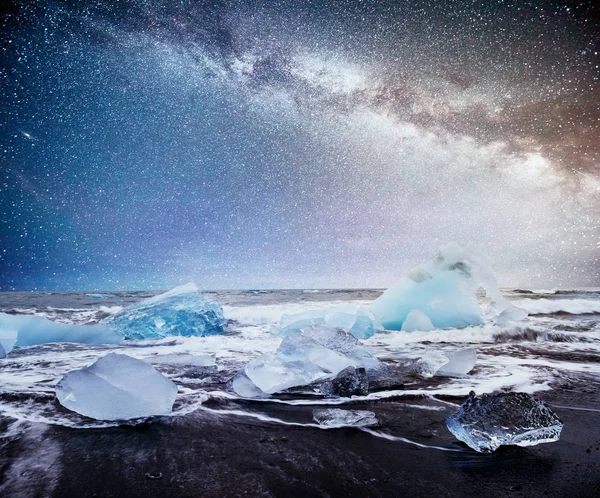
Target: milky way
(296,144)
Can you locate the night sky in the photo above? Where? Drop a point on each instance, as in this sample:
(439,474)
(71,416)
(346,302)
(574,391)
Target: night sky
(287,144)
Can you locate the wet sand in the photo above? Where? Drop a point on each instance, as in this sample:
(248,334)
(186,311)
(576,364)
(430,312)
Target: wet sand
(214,455)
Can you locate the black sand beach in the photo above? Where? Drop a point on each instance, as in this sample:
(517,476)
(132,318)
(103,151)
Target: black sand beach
(204,454)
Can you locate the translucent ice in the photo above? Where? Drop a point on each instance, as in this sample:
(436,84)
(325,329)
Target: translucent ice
(416,320)
(349,382)
(460,362)
(270,373)
(117,387)
(356,320)
(32,330)
(243,386)
(8,335)
(335,417)
(445,290)
(182,311)
(447,364)
(300,347)
(489,421)
(315,354)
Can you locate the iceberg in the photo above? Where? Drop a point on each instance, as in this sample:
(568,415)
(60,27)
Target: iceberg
(357,320)
(182,311)
(316,354)
(349,382)
(29,330)
(8,335)
(486,422)
(415,321)
(445,290)
(2,352)
(451,364)
(117,387)
(335,418)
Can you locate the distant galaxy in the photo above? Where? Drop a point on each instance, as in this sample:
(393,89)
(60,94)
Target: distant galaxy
(296,144)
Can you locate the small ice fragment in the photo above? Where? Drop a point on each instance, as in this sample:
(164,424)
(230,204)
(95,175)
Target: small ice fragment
(430,363)
(182,311)
(335,417)
(460,362)
(486,422)
(349,382)
(416,320)
(117,387)
(444,289)
(447,364)
(31,330)
(2,352)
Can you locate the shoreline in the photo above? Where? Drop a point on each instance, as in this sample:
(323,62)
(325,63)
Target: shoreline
(205,454)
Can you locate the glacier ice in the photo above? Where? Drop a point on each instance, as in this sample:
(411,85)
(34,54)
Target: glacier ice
(182,311)
(357,320)
(335,417)
(243,386)
(349,382)
(8,335)
(460,362)
(445,290)
(31,330)
(488,421)
(315,354)
(270,373)
(117,387)
(415,321)
(447,364)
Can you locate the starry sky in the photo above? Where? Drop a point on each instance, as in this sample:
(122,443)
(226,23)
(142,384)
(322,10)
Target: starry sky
(296,144)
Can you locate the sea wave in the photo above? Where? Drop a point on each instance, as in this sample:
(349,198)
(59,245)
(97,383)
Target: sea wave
(550,306)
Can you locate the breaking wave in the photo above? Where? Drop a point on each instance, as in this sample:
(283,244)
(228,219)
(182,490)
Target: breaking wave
(551,306)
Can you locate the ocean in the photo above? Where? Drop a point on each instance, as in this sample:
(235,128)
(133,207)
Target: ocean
(556,345)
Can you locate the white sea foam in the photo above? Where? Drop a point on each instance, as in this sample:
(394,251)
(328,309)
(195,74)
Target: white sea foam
(270,314)
(547,306)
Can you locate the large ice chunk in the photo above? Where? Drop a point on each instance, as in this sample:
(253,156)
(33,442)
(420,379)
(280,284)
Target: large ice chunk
(334,418)
(117,387)
(445,290)
(489,421)
(270,373)
(448,364)
(28,330)
(182,311)
(415,321)
(315,354)
(357,320)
